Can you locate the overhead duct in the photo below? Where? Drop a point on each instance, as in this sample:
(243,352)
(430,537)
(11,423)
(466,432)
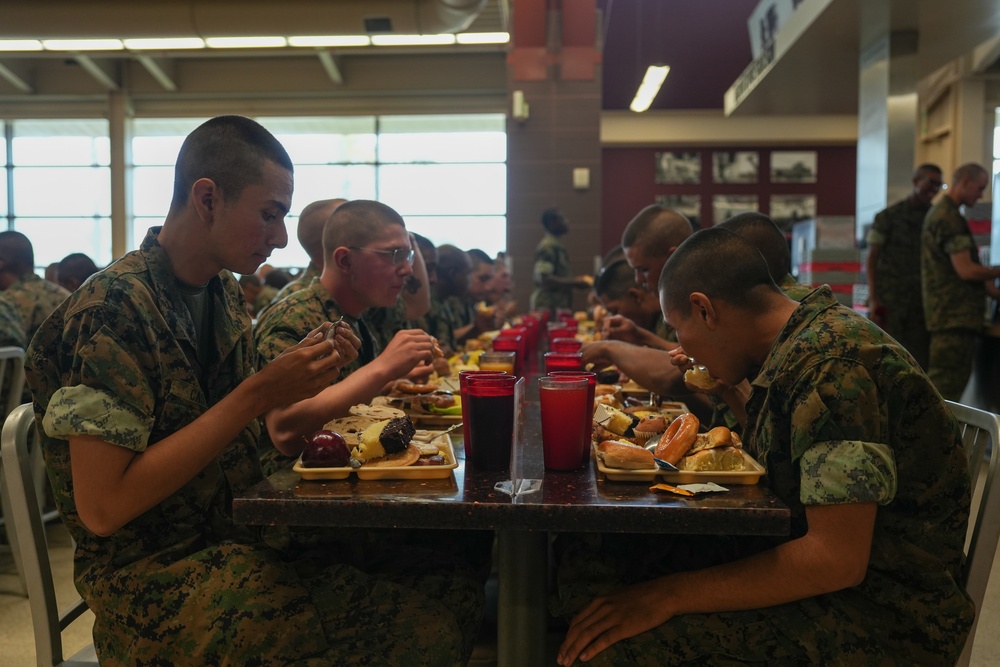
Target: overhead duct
(61,19)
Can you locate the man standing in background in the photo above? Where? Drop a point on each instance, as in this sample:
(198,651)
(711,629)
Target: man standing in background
(954,283)
(554,283)
(893,265)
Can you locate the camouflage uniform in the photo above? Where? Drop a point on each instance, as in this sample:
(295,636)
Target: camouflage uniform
(181,584)
(387,322)
(665,331)
(460,557)
(460,310)
(264,299)
(34,299)
(11,327)
(551,259)
(301,282)
(793,289)
(839,413)
(897,231)
(438,323)
(288,322)
(954,308)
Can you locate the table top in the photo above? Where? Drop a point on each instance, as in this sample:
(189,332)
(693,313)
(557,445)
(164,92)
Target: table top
(578,501)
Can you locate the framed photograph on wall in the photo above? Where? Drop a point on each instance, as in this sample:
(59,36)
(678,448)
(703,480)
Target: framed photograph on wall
(789,209)
(726,206)
(678,168)
(793,166)
(735,166)
(687,205)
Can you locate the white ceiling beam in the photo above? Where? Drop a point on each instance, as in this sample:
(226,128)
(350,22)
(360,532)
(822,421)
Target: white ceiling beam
(103,74)
(15,79)
(160,69)
(330,66)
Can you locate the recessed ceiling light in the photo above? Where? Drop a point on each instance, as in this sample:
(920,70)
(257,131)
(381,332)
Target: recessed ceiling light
(329,40)
(483,37)
(650,86)
(245,42)
(20,45)
(413,40)
(165,43)
(82,44)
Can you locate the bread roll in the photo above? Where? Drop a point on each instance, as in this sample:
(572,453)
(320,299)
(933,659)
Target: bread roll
(720,436)
(376,411)
(618,454)
(723,459)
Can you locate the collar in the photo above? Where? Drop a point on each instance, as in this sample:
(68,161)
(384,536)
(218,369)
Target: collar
(810,308)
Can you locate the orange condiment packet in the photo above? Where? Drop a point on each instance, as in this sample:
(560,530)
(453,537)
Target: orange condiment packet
(666,488)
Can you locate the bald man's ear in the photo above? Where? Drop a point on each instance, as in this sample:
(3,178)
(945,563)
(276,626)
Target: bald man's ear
(206,198)
(703,309)
(342,258)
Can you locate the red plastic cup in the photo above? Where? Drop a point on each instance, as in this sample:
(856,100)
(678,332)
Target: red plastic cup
(491,420)
(566,345)
(560,331)
(588,417)
(463,377)
(563,361)
(564,404)
(512,343)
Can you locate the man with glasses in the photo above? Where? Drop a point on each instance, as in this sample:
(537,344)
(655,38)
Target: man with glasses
(893,265)
(367,262)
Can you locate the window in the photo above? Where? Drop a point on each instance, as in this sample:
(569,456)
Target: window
(994,258)
(60,196)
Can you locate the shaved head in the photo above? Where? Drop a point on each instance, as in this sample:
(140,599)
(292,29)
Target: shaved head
(720,265)
(764,235)
(656,228)
(358,223)
(312,220)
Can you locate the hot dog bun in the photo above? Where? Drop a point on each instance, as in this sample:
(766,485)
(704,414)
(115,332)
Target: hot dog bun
(618,454)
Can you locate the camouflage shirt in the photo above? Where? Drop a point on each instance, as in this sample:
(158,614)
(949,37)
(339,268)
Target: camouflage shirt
(438,322)
(839,413)
(897,231)
(793,289)
(34,299)
(460,310)
(11,327)
(949,301)
(551,259)
(301,282)
(385,323)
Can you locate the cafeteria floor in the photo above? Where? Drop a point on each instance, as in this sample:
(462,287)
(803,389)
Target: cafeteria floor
(17,646)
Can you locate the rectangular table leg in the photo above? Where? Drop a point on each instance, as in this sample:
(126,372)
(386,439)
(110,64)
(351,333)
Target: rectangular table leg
(522,581)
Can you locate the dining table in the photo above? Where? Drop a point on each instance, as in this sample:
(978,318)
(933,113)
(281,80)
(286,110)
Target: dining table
(523,505)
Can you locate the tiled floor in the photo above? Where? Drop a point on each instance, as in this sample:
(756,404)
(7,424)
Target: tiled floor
(17,647)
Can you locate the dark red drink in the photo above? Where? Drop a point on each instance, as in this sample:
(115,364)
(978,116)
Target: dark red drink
(563,361)
(463,392)
(566,345)
(491,420)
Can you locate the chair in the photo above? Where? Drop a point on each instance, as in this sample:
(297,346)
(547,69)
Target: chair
(12,378)
(981,438)
(16,442)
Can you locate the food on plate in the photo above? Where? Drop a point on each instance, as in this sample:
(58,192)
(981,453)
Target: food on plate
(615,420)
(678,438)
(699,377)
(720,436)
(483,308)
(433,460)
(604,389)
(620,454)
(326,449)
(407,387)
(718,459)
(607,399)
(376,411)
(384,438)
(407,457)
(350,428)
(609,375)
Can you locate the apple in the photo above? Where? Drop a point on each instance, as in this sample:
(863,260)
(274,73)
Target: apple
(326,449)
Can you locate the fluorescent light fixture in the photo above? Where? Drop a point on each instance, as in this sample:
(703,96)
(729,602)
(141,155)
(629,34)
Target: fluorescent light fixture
(159,43)
(245,42)
(20,45)
(82,44)
(443,39)
(650,86)
(329,40)
(483,37)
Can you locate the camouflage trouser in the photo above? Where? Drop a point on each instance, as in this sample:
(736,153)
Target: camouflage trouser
(952,354)
(816,631)
(238,604)
(907,326)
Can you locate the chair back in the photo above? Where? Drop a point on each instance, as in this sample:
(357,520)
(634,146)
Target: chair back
(981,438)
(17,440)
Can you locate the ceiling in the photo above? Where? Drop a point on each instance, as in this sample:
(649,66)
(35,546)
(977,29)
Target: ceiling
(705,42)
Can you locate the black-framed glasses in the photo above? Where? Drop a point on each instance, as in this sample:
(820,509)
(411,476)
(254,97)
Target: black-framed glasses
(397,255)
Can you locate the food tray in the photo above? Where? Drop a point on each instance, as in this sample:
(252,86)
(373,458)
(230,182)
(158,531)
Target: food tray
(751,475)
(388,472)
